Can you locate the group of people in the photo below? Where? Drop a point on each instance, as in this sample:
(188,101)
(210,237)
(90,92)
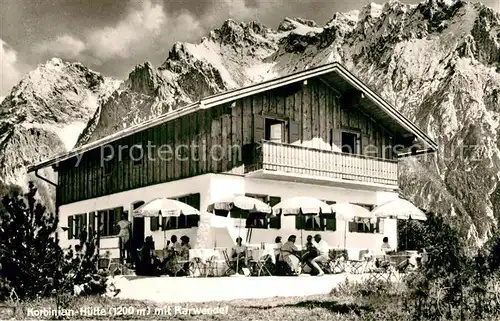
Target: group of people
(289,259)
(175,258)
(316,252)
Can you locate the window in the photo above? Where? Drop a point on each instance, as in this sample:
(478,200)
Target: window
(256,221)
(364,225)
(108,219)
(350,143)
(183,221)
(76,223)
(275,130)
(154,223)
(316,223)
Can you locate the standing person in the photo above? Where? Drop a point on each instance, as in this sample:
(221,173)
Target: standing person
(184,253)
(323,249)
(124,239)
(148,262)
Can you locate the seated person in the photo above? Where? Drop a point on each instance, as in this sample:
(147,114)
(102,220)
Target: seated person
(173,247)
(311,251)
(386,247)
(148,262)
(323,250)
(239,253)
(289,255)
(184,248)
(277,248)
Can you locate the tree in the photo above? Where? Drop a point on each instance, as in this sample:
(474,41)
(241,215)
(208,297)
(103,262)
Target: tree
(29,250)
(32,262)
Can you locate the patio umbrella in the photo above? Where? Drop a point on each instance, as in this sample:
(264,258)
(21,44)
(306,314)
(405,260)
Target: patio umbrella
(399,209)
(165,207)
(347,212)
(302,206)
(240,204)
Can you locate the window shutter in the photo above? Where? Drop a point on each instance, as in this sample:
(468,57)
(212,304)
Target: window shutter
(92,221)
(353,226)
(70,227)
(364,144)
(195,201)
(380,225)
(275,222)
(331,224)
(154,222)
(273,200)
(337,138)
(299,222)
(294,132)
(85,221)
(259,129)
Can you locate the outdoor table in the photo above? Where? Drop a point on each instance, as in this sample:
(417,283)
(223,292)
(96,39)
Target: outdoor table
(201,258)
(203,254)
(259,253)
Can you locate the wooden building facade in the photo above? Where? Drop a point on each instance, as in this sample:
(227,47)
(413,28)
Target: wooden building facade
(222,139)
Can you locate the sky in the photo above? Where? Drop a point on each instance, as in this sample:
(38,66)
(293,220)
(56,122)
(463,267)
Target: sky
(112,36)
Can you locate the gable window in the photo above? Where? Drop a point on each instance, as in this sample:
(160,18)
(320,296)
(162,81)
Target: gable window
(275,130)
(350,143)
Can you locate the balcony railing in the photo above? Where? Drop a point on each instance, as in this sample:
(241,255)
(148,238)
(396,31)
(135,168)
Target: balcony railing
(293,159)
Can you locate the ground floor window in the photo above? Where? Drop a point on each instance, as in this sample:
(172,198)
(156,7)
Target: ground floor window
(107,221)
(183,221)
(260,221)
(365,225)
(76,224)
(316,222)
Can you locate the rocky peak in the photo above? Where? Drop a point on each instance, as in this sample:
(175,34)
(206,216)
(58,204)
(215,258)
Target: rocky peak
(147,80)
(235,33)
(54,91)
(289,24)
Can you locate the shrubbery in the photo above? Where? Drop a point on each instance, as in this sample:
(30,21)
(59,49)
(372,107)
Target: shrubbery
(32,262)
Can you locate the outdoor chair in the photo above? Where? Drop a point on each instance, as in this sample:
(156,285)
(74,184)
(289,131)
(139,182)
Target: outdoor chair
(260,265)
(382,270)
(183,267)
(198,267)
(336,264)
(358,266)
(231,265)
(212,266)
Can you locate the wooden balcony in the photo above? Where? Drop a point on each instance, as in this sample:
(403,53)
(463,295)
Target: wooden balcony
(320,164)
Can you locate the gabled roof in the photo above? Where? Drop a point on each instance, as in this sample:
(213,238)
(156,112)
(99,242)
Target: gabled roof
(333,73)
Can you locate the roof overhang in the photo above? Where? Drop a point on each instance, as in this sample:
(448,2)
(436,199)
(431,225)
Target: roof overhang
(334,73)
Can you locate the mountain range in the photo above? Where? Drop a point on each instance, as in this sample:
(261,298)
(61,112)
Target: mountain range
(437,62)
